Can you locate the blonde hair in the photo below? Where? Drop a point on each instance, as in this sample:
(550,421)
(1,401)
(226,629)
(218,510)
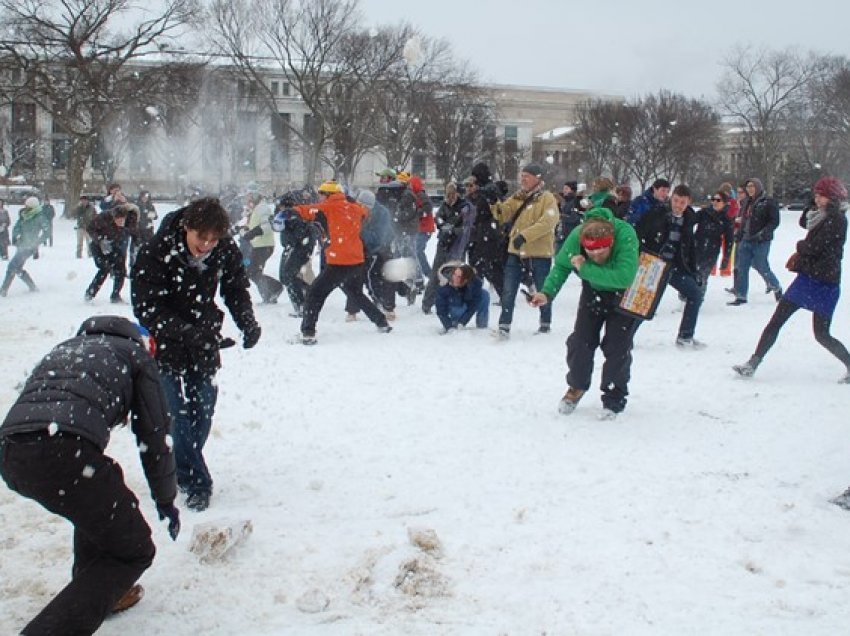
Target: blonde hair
(602,184)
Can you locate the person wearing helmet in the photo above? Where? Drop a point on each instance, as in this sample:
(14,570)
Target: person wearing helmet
(342,221)
(52,445)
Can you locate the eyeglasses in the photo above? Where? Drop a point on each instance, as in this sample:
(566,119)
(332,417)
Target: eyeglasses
(716,200)
(469,185)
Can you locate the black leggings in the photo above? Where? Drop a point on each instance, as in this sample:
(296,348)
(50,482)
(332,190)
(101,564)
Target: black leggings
(784,310)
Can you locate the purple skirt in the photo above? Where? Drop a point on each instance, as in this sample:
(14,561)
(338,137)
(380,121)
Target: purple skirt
(814,295)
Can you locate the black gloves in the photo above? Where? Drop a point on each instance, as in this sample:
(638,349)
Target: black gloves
(252,234)
(491,192)
(503,188)
(168,511)
(251,336)
(519,241)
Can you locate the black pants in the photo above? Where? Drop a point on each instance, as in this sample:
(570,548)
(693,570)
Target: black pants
(291,262)
(430,296)
(350,279)
(820,324)
(108,264)
(492,269)
(381,291)
(595,311)
(72,478)
(268,287)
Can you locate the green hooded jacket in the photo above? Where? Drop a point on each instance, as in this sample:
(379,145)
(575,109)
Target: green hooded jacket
(30,229)
(616,274)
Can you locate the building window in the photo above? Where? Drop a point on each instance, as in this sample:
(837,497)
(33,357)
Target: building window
(419,164)
(60,152)
(275,88)
(23,118)
(511,137)
(285,89)
(246,142)
(280,143)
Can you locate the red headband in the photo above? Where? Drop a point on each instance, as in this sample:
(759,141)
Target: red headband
(597,243)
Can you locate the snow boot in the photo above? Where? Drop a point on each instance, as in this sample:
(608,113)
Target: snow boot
(570,400)
(129,599)
(747,369)
(842,500)
(198,501)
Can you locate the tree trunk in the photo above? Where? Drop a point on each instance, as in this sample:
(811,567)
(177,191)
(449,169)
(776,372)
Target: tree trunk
(77,159)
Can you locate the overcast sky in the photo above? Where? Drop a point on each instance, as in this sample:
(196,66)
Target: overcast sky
(617,46)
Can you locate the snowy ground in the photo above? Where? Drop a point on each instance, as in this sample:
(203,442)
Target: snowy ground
(701,510)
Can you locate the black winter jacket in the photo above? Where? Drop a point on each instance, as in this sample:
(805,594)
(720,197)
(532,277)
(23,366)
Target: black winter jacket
(87,385)
(175,300)
(713,229)
(823,248)
(487,243)
(763,220)
(653,230)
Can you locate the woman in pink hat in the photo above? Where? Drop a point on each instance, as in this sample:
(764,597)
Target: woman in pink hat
(817,263)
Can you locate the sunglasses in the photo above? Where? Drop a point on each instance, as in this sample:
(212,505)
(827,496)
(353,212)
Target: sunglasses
(716,200)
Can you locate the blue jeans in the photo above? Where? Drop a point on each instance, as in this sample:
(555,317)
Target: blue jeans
(191,401)
(422,239)
(753,254)
(687,286)
(513,277)
(482,312)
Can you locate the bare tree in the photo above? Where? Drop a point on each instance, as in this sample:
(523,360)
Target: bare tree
(80,62)
(758,90)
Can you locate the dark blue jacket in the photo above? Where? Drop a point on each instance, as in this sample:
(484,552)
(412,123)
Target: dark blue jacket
(468,296)
(641,205)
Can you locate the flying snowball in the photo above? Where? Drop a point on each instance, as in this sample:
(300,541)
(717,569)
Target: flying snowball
(397,270)
(153,111)
(413,50)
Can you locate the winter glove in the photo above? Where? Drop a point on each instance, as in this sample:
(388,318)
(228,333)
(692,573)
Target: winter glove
(168,511)
(226,343)
(105,246)
(491,192)
(519,241)
(503,188)
(251,336)
(252,234)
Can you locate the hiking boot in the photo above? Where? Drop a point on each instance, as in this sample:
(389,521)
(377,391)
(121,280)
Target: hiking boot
(747,369)
(607,414)
(384,329)
(730,290)
(308,340)
(544,327)
(115,299)
(737,302)
(570,400)
(130,598)
(198,501)
(689,343)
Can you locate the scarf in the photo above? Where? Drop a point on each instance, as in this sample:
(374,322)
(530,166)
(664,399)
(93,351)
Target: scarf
(813,217)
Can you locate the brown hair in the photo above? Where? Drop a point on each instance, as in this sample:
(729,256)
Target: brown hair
(682,190)
(602,184)
(206,216)
(596,228)
(723,195)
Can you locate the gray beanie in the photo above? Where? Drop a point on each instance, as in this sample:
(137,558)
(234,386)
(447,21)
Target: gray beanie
(534,169)
(367,198)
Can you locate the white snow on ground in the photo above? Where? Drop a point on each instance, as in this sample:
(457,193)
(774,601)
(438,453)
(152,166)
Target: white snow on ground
(703,509)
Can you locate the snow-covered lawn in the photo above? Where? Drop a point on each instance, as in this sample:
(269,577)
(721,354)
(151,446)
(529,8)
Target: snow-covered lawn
(703,509)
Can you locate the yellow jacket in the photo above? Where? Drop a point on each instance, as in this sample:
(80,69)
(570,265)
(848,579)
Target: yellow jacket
(536,222)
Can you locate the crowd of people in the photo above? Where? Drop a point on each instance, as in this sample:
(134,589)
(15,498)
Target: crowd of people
(372,247)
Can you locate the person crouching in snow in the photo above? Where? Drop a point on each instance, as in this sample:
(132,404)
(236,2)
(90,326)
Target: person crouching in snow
(108,232)
(51,451)
(461,297)
(603,251)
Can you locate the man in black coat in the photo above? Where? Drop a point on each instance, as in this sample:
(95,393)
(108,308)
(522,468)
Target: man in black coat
(668,232)
(175,279)
(759,218)
(51,451)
